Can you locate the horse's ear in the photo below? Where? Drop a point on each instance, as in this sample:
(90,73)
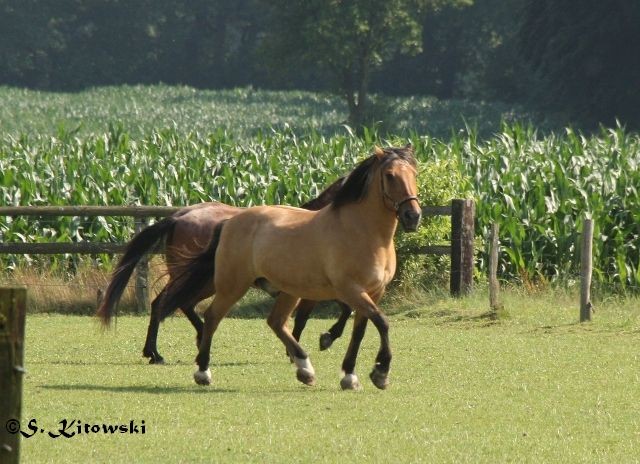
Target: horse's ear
(379,152)
(409,147)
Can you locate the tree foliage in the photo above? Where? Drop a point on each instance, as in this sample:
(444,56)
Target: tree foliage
(586,54)
(575,59)
(348,40)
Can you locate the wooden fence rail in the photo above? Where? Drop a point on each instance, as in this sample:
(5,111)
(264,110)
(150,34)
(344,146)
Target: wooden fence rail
(461,250)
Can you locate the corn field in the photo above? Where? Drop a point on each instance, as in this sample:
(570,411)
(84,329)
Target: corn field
(538,188)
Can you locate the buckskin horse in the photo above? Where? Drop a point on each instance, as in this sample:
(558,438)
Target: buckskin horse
(344,252)
(188,231)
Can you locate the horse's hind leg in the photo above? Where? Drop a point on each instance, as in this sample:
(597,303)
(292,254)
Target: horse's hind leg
(303,311)
(277,320)
(196,322)
(150,349)
(216,311)
(335,332)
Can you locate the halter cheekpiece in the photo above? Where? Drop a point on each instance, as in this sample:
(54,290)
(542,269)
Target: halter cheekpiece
(395,204)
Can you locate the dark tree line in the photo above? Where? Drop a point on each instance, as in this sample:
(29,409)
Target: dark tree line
(586,55)
(575,57)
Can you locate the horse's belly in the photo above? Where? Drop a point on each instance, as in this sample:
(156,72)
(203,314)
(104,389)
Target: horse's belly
(311,286)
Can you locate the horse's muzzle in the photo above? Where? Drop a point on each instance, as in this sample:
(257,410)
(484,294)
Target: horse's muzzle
(410,220)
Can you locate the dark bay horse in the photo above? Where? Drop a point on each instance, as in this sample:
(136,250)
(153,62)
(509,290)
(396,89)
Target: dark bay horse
(188,231)
(344,252)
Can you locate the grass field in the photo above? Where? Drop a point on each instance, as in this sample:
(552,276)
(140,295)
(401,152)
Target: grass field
(534,386)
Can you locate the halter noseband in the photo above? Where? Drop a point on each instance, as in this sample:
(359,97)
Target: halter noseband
(395,204)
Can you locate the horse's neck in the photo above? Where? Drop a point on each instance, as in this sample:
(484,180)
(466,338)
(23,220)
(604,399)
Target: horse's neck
(373,218)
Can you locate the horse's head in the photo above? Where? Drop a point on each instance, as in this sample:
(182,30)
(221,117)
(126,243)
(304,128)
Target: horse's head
(398,180)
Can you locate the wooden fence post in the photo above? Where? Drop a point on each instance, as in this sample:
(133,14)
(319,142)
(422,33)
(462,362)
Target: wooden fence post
(586,262)
(494,285)
(13,303)
(142,275)
(462,252)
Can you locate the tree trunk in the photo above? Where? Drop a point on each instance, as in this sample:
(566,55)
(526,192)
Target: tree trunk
(219,36)
(349,95)
(363,85)
(194,64)
(356,87)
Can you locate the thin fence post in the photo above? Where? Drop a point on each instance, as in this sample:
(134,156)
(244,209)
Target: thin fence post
(494,285)
(13,303)
(142,275)
(586,269)
(462,252)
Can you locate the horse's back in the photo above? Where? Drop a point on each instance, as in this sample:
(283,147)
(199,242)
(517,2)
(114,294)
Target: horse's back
(196,223)
(285,245)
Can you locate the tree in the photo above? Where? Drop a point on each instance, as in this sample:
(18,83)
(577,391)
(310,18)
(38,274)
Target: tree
(347,39)
(586,54)
(220,41)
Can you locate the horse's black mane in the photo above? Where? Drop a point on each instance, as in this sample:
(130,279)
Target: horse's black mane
(326,196)
(357,184)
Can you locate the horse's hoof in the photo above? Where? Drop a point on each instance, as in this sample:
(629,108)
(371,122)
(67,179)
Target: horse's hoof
(306,376)
(379,379)
(326,340)
(350,382)
(202,377)
(154,356)
(157,360)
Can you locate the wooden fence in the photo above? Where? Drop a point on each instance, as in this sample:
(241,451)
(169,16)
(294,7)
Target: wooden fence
(12,321)
(461,250)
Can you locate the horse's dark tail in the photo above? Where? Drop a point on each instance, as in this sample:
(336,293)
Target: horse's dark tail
(193,275)
(139,246)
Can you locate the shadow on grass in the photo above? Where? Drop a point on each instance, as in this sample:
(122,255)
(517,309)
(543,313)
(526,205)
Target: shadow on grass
(450,316)
(138,389)
(293,389)
(135,363)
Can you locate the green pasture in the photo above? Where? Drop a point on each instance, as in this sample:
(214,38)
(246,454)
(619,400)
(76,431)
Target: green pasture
(533,386)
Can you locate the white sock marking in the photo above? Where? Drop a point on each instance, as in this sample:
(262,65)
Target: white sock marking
(203,376)
(304,364)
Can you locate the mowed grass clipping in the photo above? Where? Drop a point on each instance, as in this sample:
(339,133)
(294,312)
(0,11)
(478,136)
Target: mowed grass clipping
(533,387)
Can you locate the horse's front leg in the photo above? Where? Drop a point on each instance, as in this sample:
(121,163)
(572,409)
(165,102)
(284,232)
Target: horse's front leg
(380,373)
(366,307)
(277,320)
(350,380)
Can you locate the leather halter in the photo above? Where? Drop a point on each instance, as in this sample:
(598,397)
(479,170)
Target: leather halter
(395,204)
